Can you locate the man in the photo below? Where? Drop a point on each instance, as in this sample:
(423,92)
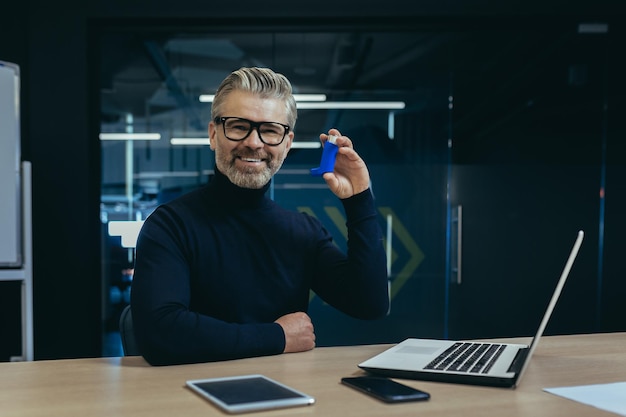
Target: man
(223,272)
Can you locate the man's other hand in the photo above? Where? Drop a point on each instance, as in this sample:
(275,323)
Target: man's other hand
(299,334)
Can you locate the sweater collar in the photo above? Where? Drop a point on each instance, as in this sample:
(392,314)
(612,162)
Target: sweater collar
(232,195)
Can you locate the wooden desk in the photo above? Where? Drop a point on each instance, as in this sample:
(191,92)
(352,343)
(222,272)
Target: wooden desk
(128,386)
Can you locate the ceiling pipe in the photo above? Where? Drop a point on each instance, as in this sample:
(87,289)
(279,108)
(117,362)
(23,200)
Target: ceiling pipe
(162,67)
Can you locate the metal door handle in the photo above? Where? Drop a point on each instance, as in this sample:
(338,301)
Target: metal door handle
(456,255)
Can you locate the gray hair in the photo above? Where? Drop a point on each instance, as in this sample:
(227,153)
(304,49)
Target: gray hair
(262,81)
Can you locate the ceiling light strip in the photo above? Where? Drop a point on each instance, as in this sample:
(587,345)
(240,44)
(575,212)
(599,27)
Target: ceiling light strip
(353,105)
(208,98)
(306,145)
(130,136)
(310,97)
(190,141)
(206,142)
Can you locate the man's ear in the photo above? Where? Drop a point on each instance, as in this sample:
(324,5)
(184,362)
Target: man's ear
(212,135)
(289,140)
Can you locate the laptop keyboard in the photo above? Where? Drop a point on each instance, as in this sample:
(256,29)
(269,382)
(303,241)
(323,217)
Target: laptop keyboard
(468,357)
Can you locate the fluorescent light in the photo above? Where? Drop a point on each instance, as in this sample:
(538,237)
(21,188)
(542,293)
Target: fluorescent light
(593,28)
(130,136)
(310,97)
(354,105)
(205,142)
(189,141)
(306,145)
(208,98)
(391,122)
(318,101)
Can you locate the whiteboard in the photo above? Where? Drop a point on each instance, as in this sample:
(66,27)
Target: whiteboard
(10,187)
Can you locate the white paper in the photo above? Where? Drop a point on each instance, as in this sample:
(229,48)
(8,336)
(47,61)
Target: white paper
(609,397)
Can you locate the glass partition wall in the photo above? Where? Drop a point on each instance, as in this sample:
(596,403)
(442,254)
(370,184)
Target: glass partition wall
(454,125)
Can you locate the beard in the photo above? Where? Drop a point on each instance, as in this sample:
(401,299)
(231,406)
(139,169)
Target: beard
(248,177)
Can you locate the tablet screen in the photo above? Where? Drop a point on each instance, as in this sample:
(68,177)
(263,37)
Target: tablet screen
(248,393)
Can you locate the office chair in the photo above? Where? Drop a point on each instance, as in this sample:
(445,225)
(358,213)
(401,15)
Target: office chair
(129,344)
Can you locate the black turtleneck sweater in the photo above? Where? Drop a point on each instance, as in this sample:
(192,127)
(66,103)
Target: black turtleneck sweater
(215,268)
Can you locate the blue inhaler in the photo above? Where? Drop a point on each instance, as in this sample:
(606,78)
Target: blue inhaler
(329,154)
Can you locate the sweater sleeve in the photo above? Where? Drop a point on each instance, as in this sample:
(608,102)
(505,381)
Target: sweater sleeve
(167,330)
(356,282)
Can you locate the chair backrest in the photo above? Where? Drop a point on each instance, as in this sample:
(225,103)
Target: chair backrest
(129,345)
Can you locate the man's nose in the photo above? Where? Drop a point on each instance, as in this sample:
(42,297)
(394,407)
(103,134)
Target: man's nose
(254,138)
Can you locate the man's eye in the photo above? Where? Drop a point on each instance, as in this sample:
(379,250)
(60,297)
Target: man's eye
(239,126)
(271,131)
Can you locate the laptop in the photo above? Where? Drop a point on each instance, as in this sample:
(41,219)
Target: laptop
(465,362)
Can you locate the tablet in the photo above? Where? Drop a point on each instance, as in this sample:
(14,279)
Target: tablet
(240,394)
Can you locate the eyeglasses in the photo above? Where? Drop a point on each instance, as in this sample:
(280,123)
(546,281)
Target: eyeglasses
(237,129)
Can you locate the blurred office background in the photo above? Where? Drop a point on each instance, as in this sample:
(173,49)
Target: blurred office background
(493,134)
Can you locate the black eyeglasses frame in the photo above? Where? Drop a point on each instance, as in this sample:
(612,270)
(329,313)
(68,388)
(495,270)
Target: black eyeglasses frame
(253,125)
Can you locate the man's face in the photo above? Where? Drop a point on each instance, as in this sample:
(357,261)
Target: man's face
(249,163)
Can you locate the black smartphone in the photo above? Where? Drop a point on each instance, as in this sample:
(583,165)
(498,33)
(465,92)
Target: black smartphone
(385,389)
